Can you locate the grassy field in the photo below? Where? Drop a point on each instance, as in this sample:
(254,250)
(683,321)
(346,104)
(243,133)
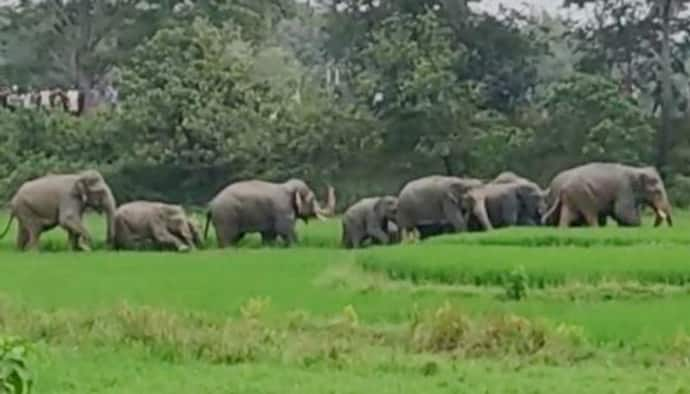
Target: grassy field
(600,310)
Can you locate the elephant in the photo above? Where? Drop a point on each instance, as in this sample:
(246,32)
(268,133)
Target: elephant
(61,200)
(508,177)
(496,205)
(149,223)
(368,219)
(268,208)
(432,205)
(589,193)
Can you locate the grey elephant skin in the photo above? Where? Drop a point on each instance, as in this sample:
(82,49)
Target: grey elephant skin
(268,208)
(433,205)
(588,194)
(157,225)
(370,219)
(508,200)
(61,200)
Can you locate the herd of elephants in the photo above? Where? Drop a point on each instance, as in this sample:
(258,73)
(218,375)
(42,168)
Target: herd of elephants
(585,195)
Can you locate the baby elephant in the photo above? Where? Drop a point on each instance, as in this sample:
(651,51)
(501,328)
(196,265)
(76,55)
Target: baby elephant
(371,219)
(143,224)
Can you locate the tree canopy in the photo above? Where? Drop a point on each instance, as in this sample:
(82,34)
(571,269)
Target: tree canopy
(366,94)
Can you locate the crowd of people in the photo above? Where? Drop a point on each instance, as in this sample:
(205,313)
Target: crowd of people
(74,101)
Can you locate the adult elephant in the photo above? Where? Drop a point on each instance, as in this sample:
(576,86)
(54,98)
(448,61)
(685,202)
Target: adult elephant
(590,193)
(370,219)
(508,177)
(265,207)
(141,224)
(60,200)
(495,205)
(433,205)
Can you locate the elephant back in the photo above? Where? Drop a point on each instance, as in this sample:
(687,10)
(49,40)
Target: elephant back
(421,201)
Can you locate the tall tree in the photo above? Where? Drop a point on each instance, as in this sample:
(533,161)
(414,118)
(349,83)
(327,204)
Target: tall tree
(644,42)
(77,42)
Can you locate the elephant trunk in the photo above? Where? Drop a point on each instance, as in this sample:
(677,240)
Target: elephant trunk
(329,210)
(663,213)
(480,213)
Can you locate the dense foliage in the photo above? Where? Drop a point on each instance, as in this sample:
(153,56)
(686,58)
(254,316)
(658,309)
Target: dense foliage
(14,374)
(364,95)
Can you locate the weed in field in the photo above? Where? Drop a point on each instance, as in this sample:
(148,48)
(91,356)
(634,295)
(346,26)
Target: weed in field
(442,331)
(450,330)
(15,377)
(254,308)
(516,284)
(179,337)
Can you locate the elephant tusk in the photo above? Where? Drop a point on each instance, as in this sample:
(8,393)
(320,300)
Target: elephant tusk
(321,216)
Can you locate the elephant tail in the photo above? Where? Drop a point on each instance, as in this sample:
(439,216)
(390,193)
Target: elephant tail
(548,216)
(208,221)
(7,227)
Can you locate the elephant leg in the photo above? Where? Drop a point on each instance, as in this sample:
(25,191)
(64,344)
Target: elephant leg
(29,234)
(349,239)
(510,212)
(567,216)
(33,238)
(410,234)
(626,212)
(22,237)
(164,238)
(602,219)
(72,224)
(286,230)
(592,219)
(453,214)
(226,232)
(73,240)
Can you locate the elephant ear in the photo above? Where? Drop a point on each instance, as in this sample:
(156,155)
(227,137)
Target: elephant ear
(379,207)
(527,192)
(648,177)
(80,190)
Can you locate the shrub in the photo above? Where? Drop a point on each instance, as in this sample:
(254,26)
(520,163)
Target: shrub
(15,377)
(516,284)
(679,191)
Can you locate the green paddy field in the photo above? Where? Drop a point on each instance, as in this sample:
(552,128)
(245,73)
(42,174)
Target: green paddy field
(525,310)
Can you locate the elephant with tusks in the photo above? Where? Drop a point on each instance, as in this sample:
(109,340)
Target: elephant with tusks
(590,193)
(513,201)
(371,219)
(151,224)
(433,205)
(53,200)
(268,208)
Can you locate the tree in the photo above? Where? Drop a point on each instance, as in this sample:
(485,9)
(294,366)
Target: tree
(589,119)
(77,42)
(202,95)
(639,40)
(408,75)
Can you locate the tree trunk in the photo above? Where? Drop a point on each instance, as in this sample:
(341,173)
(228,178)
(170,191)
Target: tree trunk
(664,135)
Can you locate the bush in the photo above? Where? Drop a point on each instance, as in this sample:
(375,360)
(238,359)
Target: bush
(15,377)
(679,191)
(448,329)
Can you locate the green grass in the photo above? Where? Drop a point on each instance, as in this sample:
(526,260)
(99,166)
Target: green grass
(638,342)
(66,370)
(315,234)
(545,266)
